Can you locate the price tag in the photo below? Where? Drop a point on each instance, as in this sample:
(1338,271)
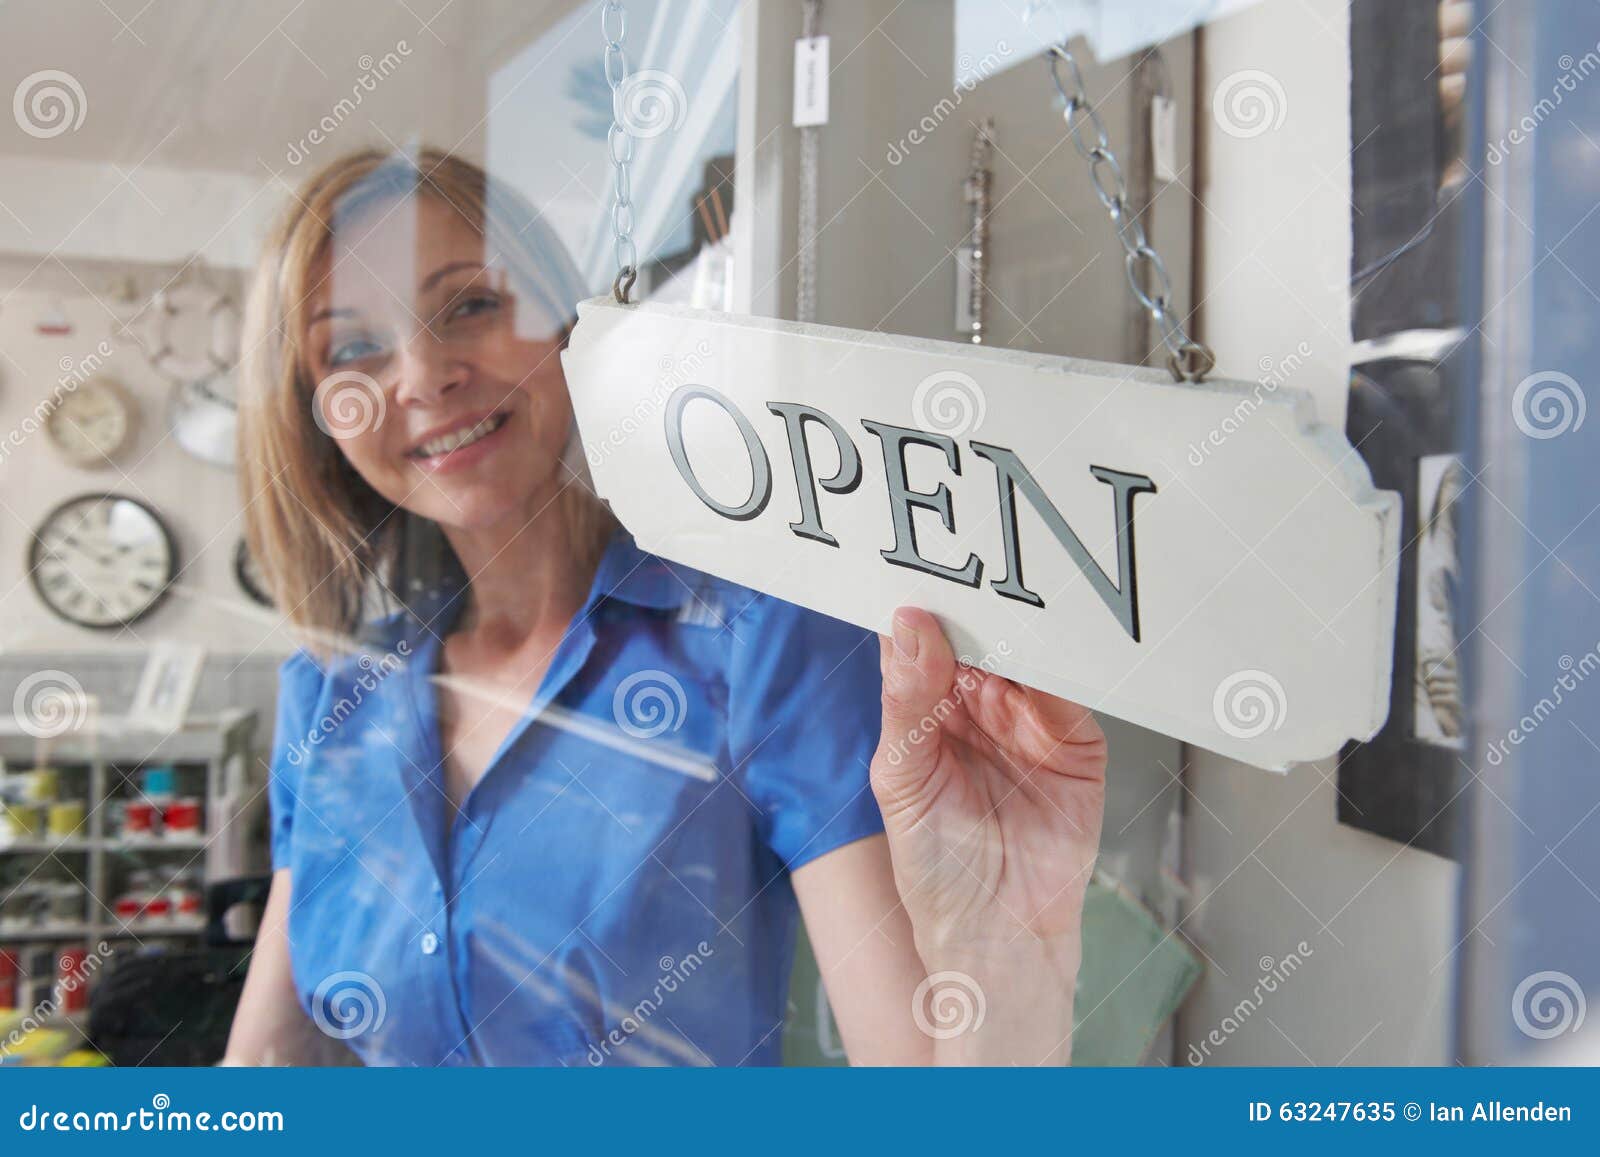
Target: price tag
(964,318)
(811,81)
(1164,138)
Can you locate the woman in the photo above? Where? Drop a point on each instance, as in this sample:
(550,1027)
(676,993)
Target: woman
(559,804)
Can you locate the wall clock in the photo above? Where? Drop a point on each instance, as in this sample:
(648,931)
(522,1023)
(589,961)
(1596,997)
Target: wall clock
(102,560)
(250,578)
(93,423)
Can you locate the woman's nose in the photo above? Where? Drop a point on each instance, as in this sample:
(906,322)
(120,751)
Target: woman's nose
(427,370)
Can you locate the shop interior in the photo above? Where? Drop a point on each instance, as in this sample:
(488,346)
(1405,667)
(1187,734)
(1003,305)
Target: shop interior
(937,197)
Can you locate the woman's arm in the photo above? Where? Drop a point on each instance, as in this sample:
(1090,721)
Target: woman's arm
(862,940)
(269,1027)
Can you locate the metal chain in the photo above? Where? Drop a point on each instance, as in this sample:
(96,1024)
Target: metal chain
(619,145)
(805,293)
(1189,360)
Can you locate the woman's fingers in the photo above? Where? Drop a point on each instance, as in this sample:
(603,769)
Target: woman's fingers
(918,672)
(1038,730)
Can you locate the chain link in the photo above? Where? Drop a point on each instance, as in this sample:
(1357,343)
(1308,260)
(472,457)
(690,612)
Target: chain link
(1187,359)
(619,147)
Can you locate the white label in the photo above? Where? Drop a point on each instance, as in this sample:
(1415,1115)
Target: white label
(854,472)
(1164,138)
(811,81)
(964,317)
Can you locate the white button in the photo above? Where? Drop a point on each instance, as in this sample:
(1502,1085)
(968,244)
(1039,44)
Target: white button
(430,943)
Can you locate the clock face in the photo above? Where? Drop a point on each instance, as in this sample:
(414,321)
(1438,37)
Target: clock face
(102,560)
(92,423)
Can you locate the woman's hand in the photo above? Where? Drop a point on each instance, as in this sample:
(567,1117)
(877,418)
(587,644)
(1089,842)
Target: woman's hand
(992,796)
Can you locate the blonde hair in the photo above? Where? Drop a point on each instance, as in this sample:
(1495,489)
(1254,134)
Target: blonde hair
(334,551)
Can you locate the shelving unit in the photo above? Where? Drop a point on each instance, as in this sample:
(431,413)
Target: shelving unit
(221,743)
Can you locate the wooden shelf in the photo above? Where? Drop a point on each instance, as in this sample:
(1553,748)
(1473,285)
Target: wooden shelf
(45,932)
(109,843)
(222,744)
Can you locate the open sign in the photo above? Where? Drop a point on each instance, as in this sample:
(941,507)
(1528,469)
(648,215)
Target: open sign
(1050,511)
(1012,478)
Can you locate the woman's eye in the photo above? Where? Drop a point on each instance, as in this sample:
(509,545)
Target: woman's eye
(351,350)
(473,305)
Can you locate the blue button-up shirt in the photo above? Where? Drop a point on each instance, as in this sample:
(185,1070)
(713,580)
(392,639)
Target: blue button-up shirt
(615,889)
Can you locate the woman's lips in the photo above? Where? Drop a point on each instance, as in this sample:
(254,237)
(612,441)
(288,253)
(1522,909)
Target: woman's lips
(464,457)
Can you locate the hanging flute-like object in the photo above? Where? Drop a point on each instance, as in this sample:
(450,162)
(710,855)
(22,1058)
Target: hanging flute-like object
(973,258)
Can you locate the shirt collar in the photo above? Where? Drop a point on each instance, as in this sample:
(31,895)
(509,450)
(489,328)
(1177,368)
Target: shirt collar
(629,574)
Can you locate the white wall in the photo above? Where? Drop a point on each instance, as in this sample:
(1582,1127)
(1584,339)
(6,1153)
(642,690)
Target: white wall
(198,501)
(1269,865)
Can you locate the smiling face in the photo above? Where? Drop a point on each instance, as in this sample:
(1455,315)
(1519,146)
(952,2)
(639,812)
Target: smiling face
(439,385)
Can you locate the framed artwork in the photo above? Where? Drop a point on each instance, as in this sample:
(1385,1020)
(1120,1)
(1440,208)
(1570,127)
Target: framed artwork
(167,686)
(1403,783)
